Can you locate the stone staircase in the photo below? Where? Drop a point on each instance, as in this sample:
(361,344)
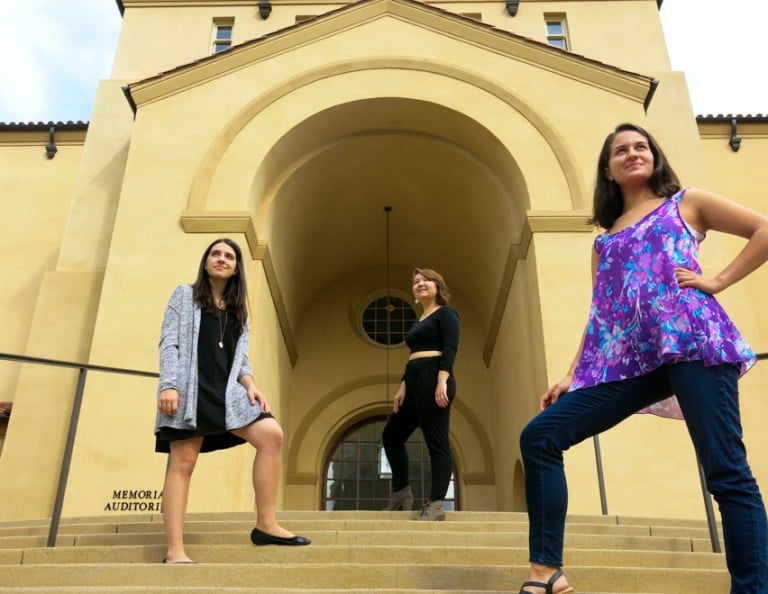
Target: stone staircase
(356,553)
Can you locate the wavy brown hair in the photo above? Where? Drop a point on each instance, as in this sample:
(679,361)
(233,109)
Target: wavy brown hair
(235,291)
(443,296)
(608,200)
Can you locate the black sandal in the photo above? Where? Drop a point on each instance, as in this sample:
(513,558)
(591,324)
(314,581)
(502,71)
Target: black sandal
(548,586)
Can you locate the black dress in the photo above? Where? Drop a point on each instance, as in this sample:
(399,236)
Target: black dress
(214,363)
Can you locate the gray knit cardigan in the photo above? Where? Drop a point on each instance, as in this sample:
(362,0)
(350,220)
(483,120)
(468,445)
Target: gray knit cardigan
(178,367)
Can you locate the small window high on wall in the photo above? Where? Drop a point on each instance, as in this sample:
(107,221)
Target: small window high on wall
(557,31)
(222,35)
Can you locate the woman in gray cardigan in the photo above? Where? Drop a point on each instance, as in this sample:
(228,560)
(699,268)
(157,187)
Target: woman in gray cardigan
(207,398)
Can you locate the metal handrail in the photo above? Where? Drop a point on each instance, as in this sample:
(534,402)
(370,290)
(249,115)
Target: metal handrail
(83,369)
(708,508)
(711,521)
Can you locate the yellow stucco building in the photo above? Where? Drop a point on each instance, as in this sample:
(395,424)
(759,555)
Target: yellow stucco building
(289,125)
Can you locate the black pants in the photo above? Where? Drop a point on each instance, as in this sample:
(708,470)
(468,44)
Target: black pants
(419,409)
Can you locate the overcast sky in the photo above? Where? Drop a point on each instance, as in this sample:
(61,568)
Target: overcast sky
(55,51)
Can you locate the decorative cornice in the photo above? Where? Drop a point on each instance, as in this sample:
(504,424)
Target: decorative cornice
(728,127)
(536,221)
(627,84)
(558,221)
(45,126)
(242,222)
(41,135)
(758,118)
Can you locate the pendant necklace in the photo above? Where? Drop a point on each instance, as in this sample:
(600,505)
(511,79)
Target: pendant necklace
(222,328)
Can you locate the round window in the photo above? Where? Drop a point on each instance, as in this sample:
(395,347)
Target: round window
(387,319)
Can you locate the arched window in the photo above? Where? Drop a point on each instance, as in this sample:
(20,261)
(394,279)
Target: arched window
(352,478)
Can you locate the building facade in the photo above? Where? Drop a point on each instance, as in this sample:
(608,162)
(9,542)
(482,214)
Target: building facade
(291,127)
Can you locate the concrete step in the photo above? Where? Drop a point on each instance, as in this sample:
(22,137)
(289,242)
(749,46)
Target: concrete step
(251,590)
(193,590)
(356,552)
(485,555)
(325,522)
(470,517)
(330,577)
(366,538)
(217,590)
(247,590)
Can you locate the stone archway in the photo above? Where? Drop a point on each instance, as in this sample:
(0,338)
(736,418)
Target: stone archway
(315,202)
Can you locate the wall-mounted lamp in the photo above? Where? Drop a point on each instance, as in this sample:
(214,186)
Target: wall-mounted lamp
(735,141)
(265,8)
(50,148)
(512,6)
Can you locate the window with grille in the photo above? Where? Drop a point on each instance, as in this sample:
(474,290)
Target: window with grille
(557,30)
(222,35)
(387,319)
(354,478)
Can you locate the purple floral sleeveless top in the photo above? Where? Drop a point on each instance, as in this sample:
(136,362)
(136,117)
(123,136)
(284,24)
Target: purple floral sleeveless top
(640,318)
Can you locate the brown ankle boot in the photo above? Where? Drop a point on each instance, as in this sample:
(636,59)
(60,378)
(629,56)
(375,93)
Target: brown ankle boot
(432,512)
(402,499)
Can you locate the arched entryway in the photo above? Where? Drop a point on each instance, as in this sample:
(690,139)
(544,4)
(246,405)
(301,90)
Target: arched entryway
(458,205)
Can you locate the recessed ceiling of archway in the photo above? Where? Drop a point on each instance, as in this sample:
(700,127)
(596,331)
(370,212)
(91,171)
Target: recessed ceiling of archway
(456,195)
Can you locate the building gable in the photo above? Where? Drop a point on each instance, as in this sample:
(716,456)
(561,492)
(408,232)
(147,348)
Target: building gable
(423,19)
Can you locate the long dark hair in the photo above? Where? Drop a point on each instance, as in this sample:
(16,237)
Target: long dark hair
(608,201)
(443,296)
(235,292)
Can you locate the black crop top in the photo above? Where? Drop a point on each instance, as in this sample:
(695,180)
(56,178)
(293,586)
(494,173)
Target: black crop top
(437,332)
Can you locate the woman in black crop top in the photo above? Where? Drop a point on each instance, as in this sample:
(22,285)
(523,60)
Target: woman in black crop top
(424,398)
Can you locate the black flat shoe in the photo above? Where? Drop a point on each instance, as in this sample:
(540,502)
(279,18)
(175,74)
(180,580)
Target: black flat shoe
(262,538)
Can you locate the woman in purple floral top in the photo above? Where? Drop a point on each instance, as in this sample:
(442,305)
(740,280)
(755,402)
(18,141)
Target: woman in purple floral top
(656,341)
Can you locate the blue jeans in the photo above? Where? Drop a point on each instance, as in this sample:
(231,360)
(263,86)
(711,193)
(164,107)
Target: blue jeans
(708,397)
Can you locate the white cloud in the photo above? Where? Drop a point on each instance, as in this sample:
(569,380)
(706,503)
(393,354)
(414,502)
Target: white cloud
(719,46)
(54,54)
(22,71)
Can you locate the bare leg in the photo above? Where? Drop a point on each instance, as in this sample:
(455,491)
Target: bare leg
(267,437)
(175,494)
(542,573)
